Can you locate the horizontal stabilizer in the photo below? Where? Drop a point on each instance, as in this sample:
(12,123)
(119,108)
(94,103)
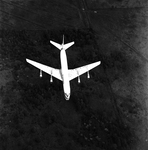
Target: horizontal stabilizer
(59,46)
(66,46)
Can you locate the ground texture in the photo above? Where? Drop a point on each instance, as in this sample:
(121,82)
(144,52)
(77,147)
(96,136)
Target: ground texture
(106,112)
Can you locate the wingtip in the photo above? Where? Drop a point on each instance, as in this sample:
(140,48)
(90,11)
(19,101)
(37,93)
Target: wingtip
(50,41)
(28,60)
(98,62)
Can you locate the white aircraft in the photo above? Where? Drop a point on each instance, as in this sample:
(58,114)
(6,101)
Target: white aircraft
(64,74)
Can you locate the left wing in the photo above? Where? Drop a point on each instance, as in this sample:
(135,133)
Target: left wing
(49,70)
(73,73)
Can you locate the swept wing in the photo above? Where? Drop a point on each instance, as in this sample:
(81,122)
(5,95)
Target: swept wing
(73,73)
(49,70)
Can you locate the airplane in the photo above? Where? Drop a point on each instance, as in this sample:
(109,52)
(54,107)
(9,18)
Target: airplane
(64,74)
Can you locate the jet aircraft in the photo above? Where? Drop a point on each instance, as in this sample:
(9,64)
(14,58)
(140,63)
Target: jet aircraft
(64,74)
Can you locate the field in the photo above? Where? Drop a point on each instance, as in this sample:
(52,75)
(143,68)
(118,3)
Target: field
(108,111)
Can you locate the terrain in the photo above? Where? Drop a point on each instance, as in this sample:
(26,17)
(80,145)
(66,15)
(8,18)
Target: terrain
(106,112)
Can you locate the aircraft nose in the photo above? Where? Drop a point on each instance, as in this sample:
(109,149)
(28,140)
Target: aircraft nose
(67,96)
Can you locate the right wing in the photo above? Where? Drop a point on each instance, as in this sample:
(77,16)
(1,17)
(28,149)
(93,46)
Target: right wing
(73,73)
(49,70)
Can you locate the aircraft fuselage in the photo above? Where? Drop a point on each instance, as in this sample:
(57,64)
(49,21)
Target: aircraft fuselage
(64,72)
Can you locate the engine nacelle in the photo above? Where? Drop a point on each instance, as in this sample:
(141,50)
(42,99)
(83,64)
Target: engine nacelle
(88,75)
(40,73)
(51,80)
(79,79)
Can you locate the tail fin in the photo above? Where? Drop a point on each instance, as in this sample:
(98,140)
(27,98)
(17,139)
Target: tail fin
(63,40)
(66,46)
(62,46)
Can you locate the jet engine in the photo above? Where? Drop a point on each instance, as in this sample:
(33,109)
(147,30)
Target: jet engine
(79,79)
(88,75)
(40,73)
(51,80)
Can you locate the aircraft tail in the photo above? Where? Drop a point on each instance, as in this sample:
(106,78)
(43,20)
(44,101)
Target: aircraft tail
(59,46)
(62,46)
(66,46)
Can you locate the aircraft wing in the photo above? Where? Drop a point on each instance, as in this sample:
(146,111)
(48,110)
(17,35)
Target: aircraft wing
(73,73)
(49,70)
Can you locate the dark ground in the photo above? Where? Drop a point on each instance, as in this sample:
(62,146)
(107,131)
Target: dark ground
(106,112)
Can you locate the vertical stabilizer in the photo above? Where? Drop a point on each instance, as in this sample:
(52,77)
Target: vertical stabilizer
(63,40)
